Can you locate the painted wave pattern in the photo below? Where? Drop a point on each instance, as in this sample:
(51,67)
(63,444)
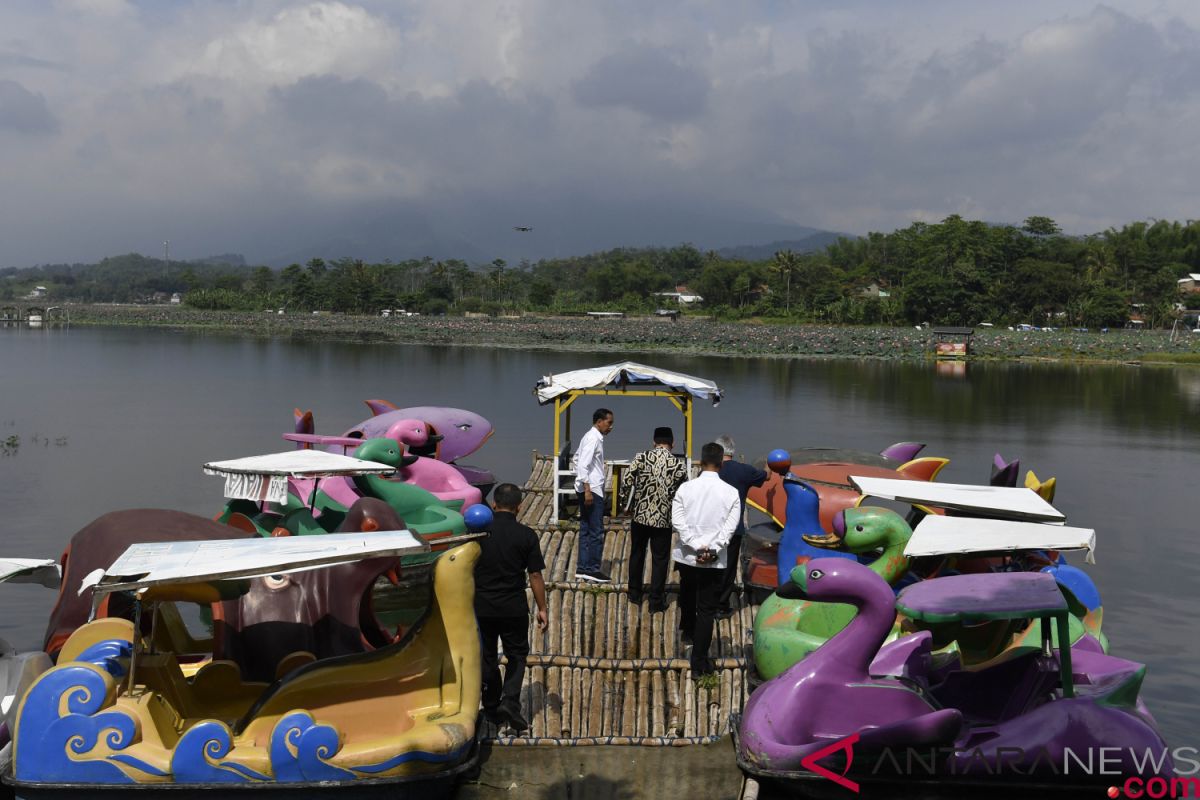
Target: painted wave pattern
(66,737)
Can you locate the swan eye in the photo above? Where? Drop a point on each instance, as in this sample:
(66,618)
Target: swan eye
(815,575)
(463,426)
(859,528)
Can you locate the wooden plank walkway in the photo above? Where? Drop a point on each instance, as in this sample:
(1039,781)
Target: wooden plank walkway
(607,671)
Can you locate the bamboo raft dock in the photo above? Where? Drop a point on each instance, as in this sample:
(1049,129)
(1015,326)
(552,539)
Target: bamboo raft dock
(607,672)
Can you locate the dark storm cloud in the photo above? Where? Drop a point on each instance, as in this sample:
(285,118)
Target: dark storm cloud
(265,127)
(647,80)
(23,111)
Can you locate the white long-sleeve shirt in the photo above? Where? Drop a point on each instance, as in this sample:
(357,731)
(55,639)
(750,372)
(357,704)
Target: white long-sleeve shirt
(704,514)
(589,462)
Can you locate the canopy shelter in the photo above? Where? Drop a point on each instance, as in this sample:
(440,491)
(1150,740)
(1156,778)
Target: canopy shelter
(998,502)
(145,567)
(264,478)
(939,536)
(624,379)
(952,343)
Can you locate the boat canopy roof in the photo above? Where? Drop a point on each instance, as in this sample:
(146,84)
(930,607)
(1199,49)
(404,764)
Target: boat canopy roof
(939,536)
(983,596)
(45,571)
(622,375)
(985,501)
(264,478)
(184,564)
(298,464)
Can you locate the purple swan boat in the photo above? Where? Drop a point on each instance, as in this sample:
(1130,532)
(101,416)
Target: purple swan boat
(854,714)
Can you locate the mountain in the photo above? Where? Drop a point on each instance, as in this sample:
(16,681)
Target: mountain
(813,243)
(485,228)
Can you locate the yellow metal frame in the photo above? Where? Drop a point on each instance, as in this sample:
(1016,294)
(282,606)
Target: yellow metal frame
(682,401)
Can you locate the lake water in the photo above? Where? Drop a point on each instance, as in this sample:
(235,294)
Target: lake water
(111,418)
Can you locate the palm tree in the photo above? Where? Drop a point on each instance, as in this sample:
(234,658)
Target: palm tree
(785,264)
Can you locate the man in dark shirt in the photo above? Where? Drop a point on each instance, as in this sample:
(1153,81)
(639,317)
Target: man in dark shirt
(741,477)
(651,481)
(509,552)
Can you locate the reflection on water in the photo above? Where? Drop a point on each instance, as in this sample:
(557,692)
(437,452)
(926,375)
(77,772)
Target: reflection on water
(140,411)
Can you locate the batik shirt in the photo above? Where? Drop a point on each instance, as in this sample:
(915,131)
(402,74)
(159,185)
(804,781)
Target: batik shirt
(652,477)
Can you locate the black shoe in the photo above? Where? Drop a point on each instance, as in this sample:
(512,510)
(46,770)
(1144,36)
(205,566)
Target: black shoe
(494,716)
(513,715)
(725,613)
(657,608)
(636,599)
(592,576)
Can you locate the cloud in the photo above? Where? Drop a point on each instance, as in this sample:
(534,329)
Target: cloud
(262,126)
(644,79)
(23,111)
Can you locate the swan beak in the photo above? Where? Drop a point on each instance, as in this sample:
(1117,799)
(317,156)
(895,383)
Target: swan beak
(828,541)
(790,591)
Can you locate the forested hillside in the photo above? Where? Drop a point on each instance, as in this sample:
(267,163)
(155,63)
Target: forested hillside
(953,272)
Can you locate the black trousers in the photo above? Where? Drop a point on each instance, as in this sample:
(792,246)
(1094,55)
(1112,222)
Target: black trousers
(699,590)
(659,540)
(729,578)
(513,633)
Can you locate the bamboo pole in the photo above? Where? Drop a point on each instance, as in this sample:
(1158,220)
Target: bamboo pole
(537,701)
(689,705)
(554,702)
(674,681)
(658,705)
(596,704)
(629,710)
(643,703)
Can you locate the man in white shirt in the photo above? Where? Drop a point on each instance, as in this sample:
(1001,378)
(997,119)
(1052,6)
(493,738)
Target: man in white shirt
(705,513)
(589,483)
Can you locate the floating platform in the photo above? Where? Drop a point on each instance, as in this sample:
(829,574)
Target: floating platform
(607,672)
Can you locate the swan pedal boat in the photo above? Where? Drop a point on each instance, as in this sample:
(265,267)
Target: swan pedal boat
(855,704)
(117,714)
(786,629)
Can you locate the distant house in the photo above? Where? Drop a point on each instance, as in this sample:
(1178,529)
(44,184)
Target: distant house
(176,299)
(38,292)
(682,295)
(874,290)
(1191,283)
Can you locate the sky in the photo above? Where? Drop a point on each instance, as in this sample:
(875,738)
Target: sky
(281,129)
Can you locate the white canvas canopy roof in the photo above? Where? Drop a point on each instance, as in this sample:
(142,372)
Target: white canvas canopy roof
(142,566)
(626,373)
(985,501)
(31,570)
(938,536)
(264,478)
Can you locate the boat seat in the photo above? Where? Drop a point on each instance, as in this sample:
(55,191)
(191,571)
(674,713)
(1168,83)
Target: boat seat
(293,661)
(1031,676)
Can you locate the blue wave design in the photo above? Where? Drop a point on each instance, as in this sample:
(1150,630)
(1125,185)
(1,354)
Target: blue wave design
(197,757)
(300,749)
(415,755)
(137,763)
(108,656)
(41,755)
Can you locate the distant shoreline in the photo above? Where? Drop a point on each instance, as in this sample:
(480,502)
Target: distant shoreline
(687,335)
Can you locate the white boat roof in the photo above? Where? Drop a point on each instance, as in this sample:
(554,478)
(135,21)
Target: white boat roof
(985,501)
(940,536)
(622,375)
(142,566)
(298,464)
(45,571)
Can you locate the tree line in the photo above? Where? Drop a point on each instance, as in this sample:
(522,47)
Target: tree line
(955,272)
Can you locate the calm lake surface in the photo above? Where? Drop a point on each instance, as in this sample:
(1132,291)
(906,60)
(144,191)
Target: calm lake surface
(110,418)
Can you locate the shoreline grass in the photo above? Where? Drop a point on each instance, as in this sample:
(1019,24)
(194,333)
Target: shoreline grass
(641,335)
